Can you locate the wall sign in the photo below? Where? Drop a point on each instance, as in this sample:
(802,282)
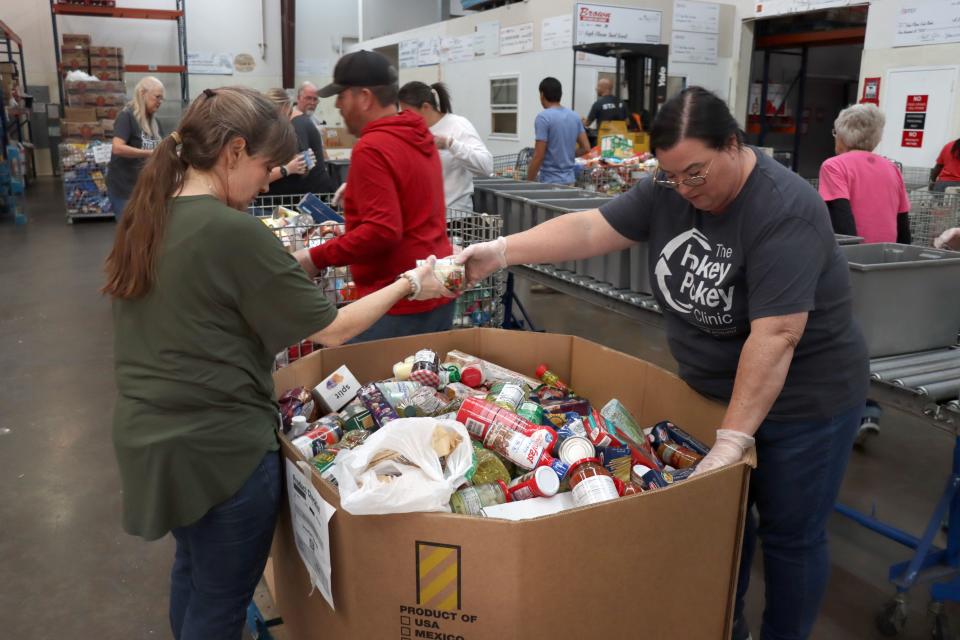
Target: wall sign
(924,22)
(914,120)
(912,139)
(917,103)
(516,39)
(603,23)
(871,91)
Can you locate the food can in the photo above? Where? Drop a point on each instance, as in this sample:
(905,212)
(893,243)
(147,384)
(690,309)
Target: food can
(472,500)
(356,417)
(591,483)
(542,482)
(576,448)
(321,435)
(477,415)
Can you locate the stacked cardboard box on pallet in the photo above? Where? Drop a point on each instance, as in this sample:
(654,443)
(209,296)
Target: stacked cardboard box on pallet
(87,124)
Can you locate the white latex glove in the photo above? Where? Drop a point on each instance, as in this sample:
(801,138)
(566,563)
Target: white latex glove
(443,142)
(728,449)
(483,258)
(430,285)
(338,196)
(949,239)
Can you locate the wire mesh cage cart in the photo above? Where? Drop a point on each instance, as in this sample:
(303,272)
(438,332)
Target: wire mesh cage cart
(513,165)
(479,306)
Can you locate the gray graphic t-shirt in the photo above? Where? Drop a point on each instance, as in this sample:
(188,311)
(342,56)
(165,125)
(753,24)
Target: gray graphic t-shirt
(122,173)
(771,253)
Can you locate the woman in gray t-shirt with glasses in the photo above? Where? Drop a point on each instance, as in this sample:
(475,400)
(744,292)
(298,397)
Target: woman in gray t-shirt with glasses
(757,305)
(136,133)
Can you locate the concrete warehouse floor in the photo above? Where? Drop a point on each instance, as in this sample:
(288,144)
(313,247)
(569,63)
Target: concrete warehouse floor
(71,572)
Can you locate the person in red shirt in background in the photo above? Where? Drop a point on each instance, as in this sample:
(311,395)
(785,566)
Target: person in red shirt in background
(946,173)
(393,203)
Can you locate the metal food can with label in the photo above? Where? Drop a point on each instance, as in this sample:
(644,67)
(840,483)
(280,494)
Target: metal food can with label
(576,448)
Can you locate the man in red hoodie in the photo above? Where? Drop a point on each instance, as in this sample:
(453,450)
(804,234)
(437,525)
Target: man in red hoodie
(393,204)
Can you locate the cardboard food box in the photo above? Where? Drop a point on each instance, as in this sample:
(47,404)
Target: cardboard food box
(79,114)
(106,63)
(107,74)
(108,86)
(81,130)
(76,39)
(338,137)
(661,564)
(104,99)
(75,60)
(108,113)
(107,52)
(107,125)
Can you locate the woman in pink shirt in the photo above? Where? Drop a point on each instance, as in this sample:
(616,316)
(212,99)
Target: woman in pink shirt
(863,191)
(865,195)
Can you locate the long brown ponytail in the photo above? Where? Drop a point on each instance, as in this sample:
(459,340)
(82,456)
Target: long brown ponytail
(211,121)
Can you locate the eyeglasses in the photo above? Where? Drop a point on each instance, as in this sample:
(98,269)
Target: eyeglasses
(692,181)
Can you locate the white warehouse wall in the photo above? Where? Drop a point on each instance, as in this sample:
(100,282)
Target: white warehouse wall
(469,81)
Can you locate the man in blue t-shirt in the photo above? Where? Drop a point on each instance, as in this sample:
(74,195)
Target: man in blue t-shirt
(560,138)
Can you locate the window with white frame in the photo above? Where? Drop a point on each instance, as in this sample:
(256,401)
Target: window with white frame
(504,101)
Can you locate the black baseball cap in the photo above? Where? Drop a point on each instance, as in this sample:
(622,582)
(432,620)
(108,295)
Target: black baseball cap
(360,69)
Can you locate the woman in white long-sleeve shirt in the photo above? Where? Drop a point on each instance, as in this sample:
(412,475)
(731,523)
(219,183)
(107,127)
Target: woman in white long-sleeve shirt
(462,152)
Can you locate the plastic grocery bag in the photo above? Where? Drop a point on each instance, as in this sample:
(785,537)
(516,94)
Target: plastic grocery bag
(398,469)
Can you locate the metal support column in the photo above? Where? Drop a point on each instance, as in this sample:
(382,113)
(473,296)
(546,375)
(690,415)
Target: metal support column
(763,98)
(182,53)
(798,128)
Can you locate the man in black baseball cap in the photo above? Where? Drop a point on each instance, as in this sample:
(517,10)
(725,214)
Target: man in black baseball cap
(360,69)
(393,201)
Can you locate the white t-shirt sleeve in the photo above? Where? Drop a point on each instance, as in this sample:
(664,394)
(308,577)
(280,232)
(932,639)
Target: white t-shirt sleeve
(467,147)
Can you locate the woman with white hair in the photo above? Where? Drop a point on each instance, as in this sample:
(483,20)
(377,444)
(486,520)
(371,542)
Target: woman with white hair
(863,191)
(866,197)
(136,133)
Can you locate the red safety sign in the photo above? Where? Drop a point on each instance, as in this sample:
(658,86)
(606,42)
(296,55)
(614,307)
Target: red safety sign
(912,139)
(916,104)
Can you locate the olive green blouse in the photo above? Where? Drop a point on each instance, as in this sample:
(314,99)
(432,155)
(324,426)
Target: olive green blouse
(196,412)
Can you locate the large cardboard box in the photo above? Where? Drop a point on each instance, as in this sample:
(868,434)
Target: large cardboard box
(105,63)
(338,137)
(76,40)
(103,99)
(75,60)
(657,565)
(81,130)
(107,52)
(109,74)
(79,114)
(108,113)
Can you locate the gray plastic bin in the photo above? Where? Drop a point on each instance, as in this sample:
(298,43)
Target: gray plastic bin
(905,298)
(512,205)
(640,268)
(543,210)
(486,197)
(845,240)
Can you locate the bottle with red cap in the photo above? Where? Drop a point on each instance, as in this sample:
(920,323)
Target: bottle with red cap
(542,482)
(551,379)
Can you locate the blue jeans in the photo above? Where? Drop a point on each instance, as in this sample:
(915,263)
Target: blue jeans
(118,204)
(439,319)
(220,558)
(800,466)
